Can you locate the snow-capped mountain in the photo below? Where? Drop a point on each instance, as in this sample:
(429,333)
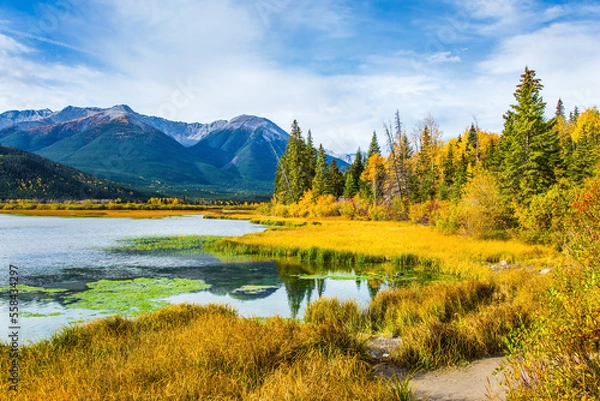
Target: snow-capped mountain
(12,117)
(122,145)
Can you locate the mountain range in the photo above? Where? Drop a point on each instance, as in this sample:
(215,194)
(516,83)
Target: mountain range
(236,158)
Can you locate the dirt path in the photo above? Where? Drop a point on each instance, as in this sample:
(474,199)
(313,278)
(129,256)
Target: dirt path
(461,384)
(474,382)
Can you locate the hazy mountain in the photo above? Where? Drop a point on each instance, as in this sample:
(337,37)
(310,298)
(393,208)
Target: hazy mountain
(24,175)
(12,117)
(121,145)
(246,146)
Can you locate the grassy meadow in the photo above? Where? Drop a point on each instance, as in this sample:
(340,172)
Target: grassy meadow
(403,243)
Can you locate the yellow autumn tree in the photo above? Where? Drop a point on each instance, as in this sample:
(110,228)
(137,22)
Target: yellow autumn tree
(374,175)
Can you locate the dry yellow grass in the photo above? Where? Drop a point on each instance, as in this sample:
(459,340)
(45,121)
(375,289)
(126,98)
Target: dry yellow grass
(189,352)
(462,256)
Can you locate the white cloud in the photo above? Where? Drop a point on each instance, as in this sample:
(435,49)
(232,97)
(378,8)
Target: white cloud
(444,57)
(563,56)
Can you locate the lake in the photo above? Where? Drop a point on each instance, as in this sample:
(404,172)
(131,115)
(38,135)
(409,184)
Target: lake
(66,258)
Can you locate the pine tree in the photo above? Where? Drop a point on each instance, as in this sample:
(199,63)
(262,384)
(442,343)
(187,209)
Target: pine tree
(352,183)
(560,109)
(529,147)
(574,115)
(311,156)
(448,173)
(349,187)
(319,185)
(334,180)
(373,147)
(473,142)
(293,174)
(426,170)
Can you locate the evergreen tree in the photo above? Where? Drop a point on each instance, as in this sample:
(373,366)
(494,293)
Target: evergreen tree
(311,156)
(349,187)
(373,147)
(473,142)
(293,174)
(448,173)
(528,145)
(352,184)
(426,171)
(574,115)
(319,185)
(334,180)
(560,109)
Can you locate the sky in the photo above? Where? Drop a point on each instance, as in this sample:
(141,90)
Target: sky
(341,68)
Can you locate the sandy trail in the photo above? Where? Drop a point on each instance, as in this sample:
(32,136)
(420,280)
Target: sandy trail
(468,383)
(474,382)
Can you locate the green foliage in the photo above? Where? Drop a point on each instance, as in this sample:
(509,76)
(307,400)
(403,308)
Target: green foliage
(557,358)
(529,147)
(24,175)
(374,146)
(426,170)
(334,180)
(542,220)
(353,182)
(319,183)
(295,170)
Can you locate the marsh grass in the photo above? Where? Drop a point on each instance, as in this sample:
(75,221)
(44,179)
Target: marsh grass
(446,324)
(186,352)
(354,243)
(171,244)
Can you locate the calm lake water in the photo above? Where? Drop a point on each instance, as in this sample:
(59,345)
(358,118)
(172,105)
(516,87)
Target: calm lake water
(72,254)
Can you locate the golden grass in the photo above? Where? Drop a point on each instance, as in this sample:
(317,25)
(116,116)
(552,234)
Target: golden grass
(465,257)
(189,352)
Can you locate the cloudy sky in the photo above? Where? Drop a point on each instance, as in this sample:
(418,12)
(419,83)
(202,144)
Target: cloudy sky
(341,68)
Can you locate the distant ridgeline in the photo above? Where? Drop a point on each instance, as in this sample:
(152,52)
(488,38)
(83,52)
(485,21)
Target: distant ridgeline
(234,159)
(24,175)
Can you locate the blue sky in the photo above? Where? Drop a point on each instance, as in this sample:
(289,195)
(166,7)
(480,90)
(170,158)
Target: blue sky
(341,68)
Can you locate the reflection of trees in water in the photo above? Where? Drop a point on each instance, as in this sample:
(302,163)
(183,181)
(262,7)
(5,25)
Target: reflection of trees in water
(224,278)
(373,286)
(321,286)
(297,290)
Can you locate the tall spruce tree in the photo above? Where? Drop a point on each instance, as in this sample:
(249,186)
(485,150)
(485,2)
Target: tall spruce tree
(473,142)
(560,109)
(334,180)
(426,171)
(373,147)
(319,183)
(529,146)
(352,181)
(293,171)
(311,156)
